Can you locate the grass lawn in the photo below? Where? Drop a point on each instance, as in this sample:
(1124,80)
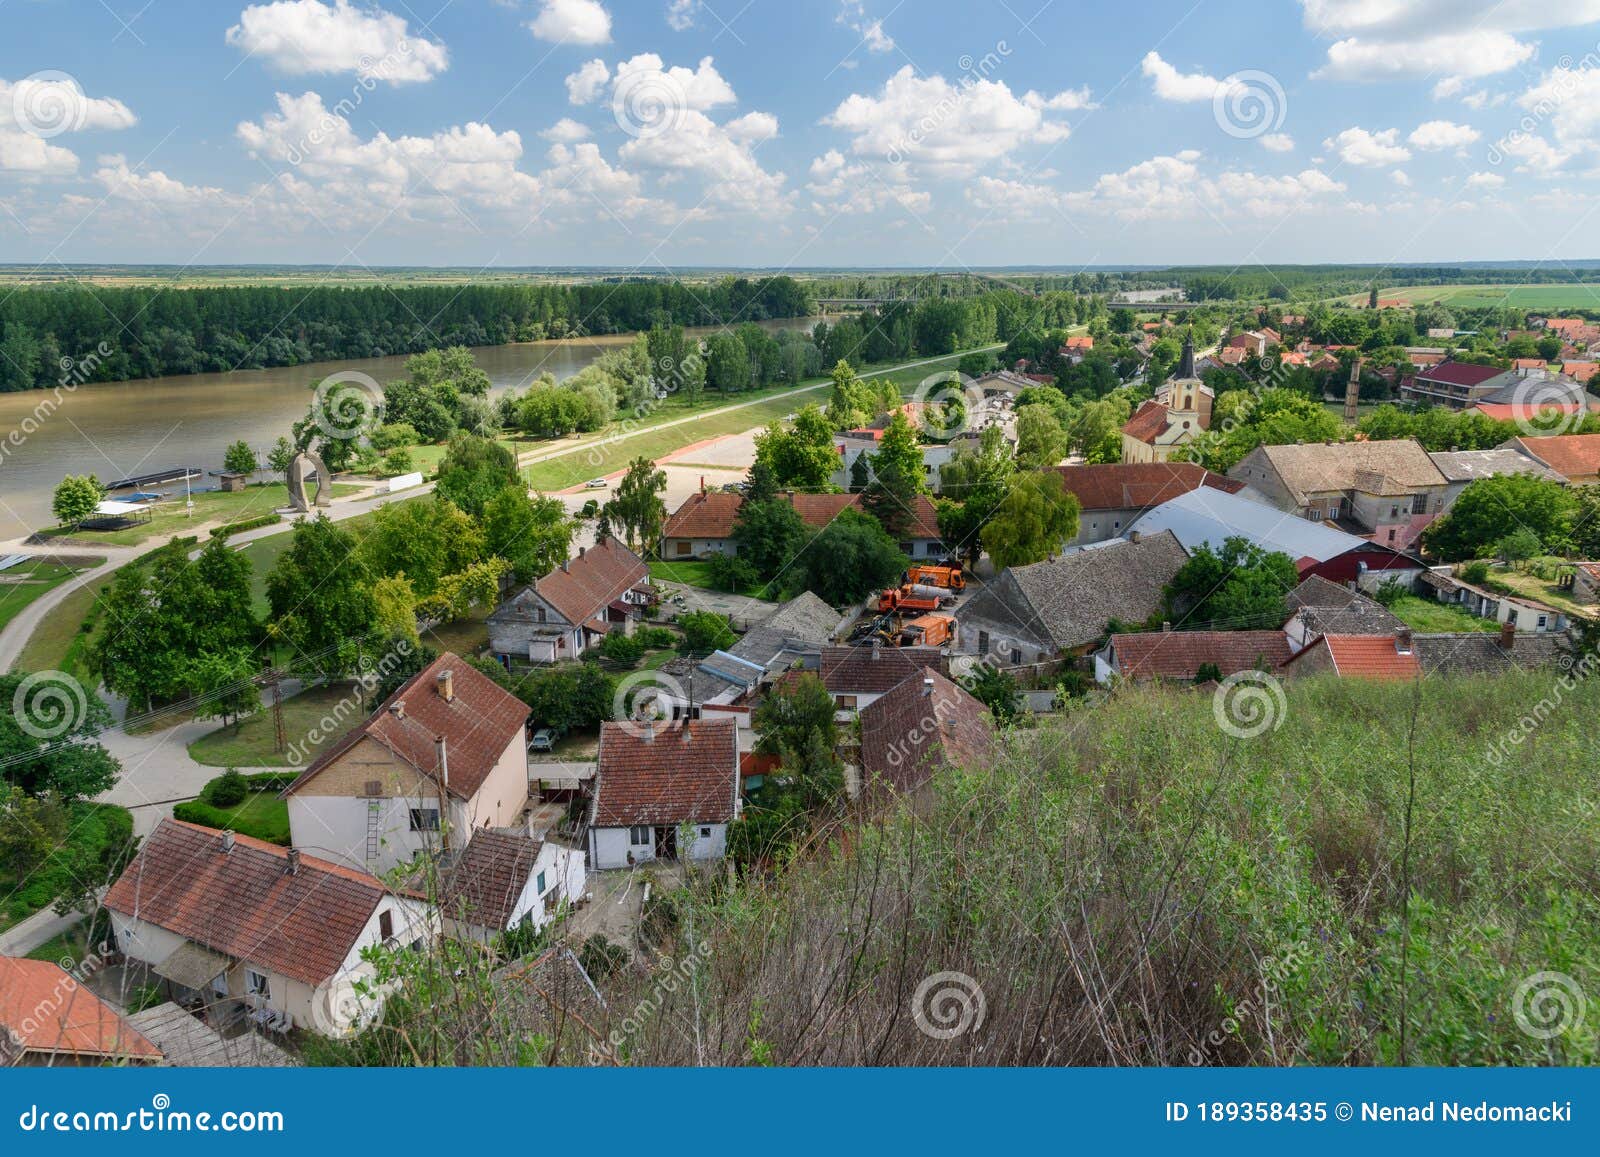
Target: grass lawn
(465,637)
(1548,297)
(1531,586)
(330,711)
(694,573)
(614,450)
(31,579)
(171,517)
(60,640)
(1429,617)
(262,815)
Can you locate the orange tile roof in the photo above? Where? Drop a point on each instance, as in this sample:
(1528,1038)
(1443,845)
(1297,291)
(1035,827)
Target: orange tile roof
(700,518)
(1370,657)
(686,772)
(1130,485)
(1574,455)
(1147,423)
(581,588)
(704,515)
(1581,371)
(44,1009)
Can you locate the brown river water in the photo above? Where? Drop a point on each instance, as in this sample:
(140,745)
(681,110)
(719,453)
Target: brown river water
(123,429)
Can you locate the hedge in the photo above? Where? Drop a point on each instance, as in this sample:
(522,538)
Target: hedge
(234,819)
(244,524)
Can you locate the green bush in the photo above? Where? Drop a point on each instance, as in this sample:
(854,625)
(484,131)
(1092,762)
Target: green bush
(600,958)
(227,790)
(654,638)
(621,648)
(244,524)
(705,631)
(1476,573)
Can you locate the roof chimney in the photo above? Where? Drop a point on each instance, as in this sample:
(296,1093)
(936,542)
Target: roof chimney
(649,735)
(227,841)
(292,862)
(1402,640)
(565,568)
(1508,636)
(1166,626)
(398,709)
(581,549)
(447,685)
(877,649)
(444,762)
(927,684)
(683,732)
(1134,536)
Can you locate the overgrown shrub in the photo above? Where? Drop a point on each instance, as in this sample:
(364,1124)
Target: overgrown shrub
(227,790)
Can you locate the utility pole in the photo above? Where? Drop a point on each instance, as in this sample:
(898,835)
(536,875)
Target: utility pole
(272,678)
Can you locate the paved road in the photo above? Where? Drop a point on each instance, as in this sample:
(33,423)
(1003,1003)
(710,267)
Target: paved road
(26,935)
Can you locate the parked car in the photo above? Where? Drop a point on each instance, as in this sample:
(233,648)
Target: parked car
(596,484)
(543,739)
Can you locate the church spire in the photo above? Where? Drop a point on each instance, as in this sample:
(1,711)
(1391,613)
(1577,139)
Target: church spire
(1186,362)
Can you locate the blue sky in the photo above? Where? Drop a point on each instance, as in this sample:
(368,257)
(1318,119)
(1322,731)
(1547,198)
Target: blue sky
(655,133)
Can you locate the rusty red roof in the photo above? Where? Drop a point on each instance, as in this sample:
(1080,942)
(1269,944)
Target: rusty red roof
(685,771)
(46,1010)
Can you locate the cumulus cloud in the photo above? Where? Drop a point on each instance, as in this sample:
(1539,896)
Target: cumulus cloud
(1458,56)
(1568,100)
(1357,146)
(699,88)
(1175,187)
(566,131)
(681,14)
(37,109)
(943,127)
(847,188)
(588,82)
(1434,135)
(1170,84)
(155,188)
(1002,200)
(853,15)
(1485,181)
(1277,142)
(723,156)
(307,36)
(572,22)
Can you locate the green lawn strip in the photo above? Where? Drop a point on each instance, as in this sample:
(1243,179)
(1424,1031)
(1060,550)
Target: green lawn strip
(171,517)
(312,720)
(1531,586)
(1430,617)
(32,581)
(262,815)
(60,640)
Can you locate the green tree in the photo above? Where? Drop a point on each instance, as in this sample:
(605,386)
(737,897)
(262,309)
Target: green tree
(320,595)
(225,683)
(1240,587)
(239,458)
(802,456)
(1518,546)
(1037,517)
(1040,439)
(395,611)
(849,559)
(897,477)
(280,456)
(48,727)
(474,470)
(425,540)
(796,723)
(341,415)
(75,499)
(1489,509)
(727,363)
(704,632)
(637,509)
(996,690)
(534,535)
(769,535)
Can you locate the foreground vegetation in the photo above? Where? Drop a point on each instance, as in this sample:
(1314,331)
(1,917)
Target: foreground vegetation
(1368,884)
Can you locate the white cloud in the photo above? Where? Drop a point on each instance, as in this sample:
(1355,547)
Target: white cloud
(1485,181)
(943,127)
(1002,200)
(1481,99)
(1071,100)
(853,15)
(578,176)
(1434,135)
(1568,100)
(681,14)
(840,187)
(1170,84)
(1475,53)
(1357,146)
(307,36)
(588,82)
(723,156)
(572,22)
(1175,187)
(1277,142)
(566,131)
(37,109)
(702,88)
(1402,178)
(154,187)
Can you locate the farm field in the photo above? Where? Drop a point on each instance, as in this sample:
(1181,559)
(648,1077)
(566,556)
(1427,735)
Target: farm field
(1551,297)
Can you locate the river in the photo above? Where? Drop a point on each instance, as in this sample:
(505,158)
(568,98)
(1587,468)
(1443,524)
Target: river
(122,429)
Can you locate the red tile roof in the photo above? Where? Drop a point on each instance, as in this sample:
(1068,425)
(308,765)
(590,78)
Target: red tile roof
(685,772)
(483,886)
(478,724)
(1181,654)
(44,1009)
(712,516)
(245,903)
(873,669)
(1524,411)
(1123,486)
(1573,455)
(1459,374)
(581,588)
(924,722)
(1081,342)
(1147,423)
(1367,657)
(1580,371)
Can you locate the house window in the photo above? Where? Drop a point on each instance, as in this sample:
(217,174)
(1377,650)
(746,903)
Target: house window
(538,885)
(538,614)
(386,926)
(983,642)
(1419,504)
(256,984)
(1394,511)
(1542,619)
(705,833)
(1391,535)
(848,702)
(424,819)
(639,835)
(683,547)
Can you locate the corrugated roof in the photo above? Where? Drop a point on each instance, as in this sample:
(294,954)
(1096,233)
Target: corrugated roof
(1209,516)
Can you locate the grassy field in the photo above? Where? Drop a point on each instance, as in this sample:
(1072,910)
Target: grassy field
(1537,297)
(1429,617)
(29,580)
(261,814)
(172,517)
(1531,586)
(330,711)
(610,453)
(59,641)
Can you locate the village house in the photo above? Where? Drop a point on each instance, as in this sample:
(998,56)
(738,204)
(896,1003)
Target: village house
(444,755)
(1112,496)
(1392,657)
(1178,413)
(574,607)
(1461,468)
(1320,607)
(704,524)
(49,1019)
(664,791)
(1210,517)
(1059,607)
(1586,583)
(1519,613)
(925,722)
(506,879)
(238,923)
(857,677)
(1482,653)
(1253,342)
(791,636)
(1182,655)
(1576,457)
(1386,491)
